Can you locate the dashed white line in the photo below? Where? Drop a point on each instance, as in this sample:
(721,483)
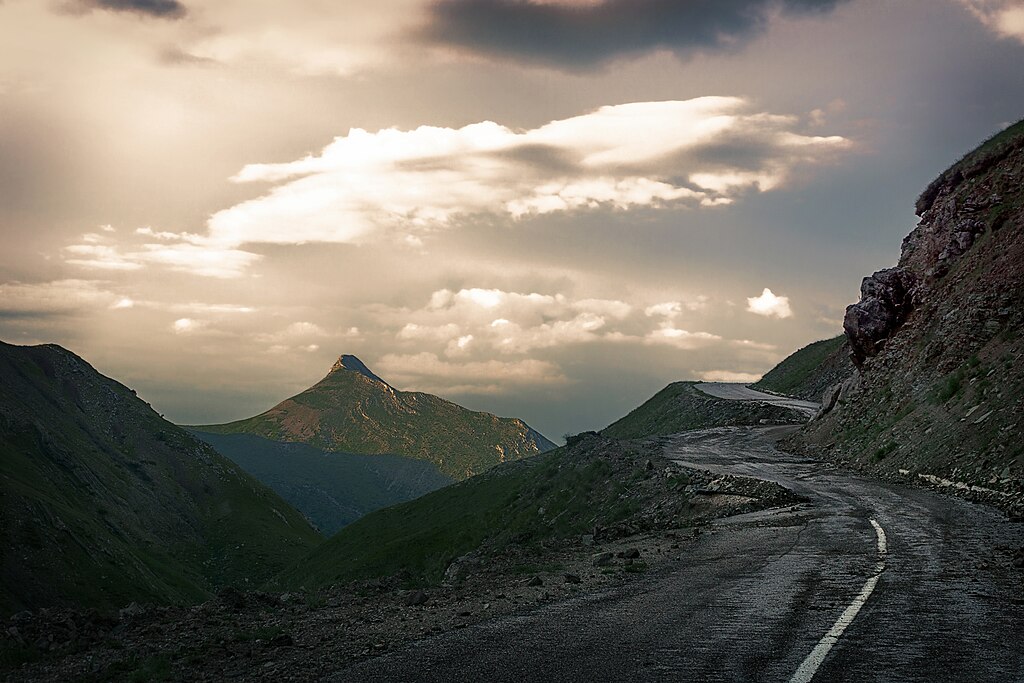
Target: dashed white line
(811,663)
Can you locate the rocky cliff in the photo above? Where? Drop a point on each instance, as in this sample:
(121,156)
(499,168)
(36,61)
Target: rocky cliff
(939,392)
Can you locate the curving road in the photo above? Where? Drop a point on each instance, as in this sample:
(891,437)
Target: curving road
(769,596)
(741,392)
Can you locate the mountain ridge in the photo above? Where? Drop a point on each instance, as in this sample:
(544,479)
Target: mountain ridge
(104,502)
(354,410)
(350,363)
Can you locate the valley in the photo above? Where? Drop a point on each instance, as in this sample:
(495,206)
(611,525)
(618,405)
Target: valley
(855,514)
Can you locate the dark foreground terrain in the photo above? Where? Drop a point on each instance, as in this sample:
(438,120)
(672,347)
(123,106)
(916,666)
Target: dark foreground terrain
(735,595)
(753,598)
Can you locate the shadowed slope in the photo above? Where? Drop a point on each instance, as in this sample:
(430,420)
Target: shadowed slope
(103,502)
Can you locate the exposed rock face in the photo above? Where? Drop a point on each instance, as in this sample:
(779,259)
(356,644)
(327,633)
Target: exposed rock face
(887,297)
(352,364)
(939,340)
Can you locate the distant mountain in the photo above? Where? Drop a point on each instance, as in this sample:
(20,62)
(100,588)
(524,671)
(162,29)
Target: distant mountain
(330,489)
(355,411)
(680,407)
(810,371)
(939,390)
(103,502)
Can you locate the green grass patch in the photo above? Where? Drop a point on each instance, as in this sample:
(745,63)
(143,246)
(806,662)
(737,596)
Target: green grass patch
(948,387)
(880,453)
(796,373)
(526,504)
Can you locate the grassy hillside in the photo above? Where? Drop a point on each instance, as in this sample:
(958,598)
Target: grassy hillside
(103,502)
(521,508)
(352,410)
(680,407)
(330,489)
(807,373)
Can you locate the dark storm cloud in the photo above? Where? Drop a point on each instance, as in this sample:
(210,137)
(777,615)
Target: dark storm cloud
(164,9)
(583,37)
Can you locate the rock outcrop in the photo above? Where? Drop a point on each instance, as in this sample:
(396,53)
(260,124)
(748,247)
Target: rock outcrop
(939,340)
(887,297)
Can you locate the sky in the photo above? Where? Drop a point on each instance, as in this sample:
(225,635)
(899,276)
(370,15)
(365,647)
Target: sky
(547,209)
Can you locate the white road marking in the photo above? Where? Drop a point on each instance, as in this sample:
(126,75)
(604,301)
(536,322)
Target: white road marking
(811,663)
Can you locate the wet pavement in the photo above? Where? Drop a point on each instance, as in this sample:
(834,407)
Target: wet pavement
(741,392)
(756,594)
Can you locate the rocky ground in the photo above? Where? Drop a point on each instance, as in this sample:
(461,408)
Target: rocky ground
(292,636)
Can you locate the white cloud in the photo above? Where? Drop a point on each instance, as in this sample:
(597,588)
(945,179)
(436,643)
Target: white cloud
(1003,17)
(673,309)
(480,321)
(123,302)
(400,185)
(196,307)
(415,332)
(644,154)
(512,338)
(753,345)
(427,372)
(609,308)
(681,339)
(459,347)
(342,39)
(182,252)
(103,257)
(769,305)
(187,325)
(56,297)
(729,376)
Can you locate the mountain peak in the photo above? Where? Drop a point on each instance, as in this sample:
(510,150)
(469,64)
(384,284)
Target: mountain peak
(350,363)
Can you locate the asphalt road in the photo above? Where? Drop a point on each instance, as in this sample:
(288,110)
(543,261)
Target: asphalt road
(754,598)
(741,392)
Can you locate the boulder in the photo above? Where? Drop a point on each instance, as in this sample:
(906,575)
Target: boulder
(416,598)
(887,298)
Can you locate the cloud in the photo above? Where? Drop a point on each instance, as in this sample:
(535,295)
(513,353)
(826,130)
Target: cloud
(1003,17)
(182,252)
(480,321)
(670,335)
(769,305)
(610,308)
(345,39)
(162,9)
(187,325)
(729,376)
(427,372)
(583,34)
(673,309)
(702,152)
(59,297)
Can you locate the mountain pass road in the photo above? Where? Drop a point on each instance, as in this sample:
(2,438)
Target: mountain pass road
(741,392)
(867,581)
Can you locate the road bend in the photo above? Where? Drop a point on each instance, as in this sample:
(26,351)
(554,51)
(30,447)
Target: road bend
(867,581)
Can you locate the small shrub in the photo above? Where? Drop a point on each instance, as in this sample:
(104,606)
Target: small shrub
(883,451)
(949,387)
